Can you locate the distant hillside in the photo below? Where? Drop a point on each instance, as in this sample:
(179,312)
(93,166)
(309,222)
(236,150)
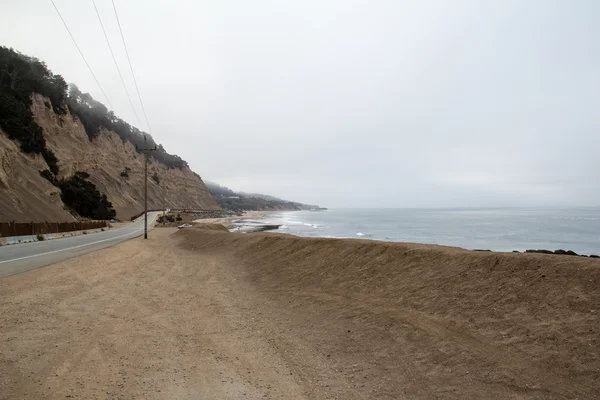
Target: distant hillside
(242,201)
(65,155)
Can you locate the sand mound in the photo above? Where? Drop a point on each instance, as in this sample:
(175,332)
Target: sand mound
(200,226)
(520,319)
(209,227)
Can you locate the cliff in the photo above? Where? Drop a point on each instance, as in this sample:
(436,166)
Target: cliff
(241,201)
(114,166)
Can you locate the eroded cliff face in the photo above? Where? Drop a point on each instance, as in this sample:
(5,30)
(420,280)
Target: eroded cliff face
(26,196)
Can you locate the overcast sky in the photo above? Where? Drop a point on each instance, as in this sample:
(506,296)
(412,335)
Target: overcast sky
(351,103)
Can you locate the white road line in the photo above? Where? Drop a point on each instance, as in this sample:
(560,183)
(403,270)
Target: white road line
(72,248)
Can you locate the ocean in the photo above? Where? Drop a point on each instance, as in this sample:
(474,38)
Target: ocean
(487,229)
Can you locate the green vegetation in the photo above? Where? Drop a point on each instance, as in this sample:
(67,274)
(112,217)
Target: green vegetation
(163,219)
(240,201)
(125,172)
(22,75)
(155,178)
(94,116)
(50,176)
(219,191)
(82,196)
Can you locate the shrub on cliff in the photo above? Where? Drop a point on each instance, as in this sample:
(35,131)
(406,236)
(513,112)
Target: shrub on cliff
(26,75)
(20,77)
(125,172)
(84,198)
(94,116)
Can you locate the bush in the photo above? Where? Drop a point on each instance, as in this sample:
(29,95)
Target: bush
(17,121)
(51,160)
(125,172)
(20,77)
(94,116)
(50,176)
(155,178)
(163,219)
(83,197)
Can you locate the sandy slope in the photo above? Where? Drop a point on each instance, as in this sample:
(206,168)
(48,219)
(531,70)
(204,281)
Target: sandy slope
(214,315)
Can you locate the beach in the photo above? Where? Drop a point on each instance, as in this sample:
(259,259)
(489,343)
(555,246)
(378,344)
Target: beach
(496,229)
(227,221)
(205,313)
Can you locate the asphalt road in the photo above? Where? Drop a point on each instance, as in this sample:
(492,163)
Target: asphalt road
(18,258)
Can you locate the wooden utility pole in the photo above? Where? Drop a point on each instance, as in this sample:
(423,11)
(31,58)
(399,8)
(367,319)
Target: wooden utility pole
(146,150)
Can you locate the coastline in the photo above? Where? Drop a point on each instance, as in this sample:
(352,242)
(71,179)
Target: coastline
(228,221)
(564,232)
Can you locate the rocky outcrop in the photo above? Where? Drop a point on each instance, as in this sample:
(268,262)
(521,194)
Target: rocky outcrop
(26,196)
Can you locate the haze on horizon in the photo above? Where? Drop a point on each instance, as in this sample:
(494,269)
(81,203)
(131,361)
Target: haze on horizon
(351,103)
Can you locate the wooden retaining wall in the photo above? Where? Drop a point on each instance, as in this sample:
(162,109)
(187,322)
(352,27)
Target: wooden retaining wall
(37,228)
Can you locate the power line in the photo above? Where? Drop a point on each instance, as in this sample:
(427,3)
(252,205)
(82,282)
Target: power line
(115,61)
(131,68)
(81,53)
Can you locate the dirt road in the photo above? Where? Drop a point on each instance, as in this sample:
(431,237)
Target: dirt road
(191,315)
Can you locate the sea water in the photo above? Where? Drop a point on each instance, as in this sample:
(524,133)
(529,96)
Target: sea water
(493,229)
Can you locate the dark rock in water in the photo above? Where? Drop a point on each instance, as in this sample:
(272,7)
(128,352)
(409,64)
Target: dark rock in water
(261,228)
(480,250)
(560,252)
(516,251)
(539,251)
(594,256)
(251,226)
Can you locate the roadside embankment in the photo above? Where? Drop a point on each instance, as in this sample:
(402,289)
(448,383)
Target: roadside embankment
(204,313)
(503,324)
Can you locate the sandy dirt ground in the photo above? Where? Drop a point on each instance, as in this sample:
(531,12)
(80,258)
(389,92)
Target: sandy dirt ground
(228,220)
(207,314)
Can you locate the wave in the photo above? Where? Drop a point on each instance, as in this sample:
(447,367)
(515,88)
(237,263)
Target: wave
(292,222)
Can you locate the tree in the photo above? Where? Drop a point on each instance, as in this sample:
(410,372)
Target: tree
(84,198)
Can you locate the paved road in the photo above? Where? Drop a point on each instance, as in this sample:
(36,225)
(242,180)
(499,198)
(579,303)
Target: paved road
(19,258)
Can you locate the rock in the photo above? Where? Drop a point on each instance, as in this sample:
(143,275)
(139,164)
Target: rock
(539,251)
(594,256)
(566,253)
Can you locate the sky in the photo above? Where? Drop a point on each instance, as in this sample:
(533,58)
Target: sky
(348,103)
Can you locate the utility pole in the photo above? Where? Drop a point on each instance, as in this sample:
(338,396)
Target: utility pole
(146,150)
